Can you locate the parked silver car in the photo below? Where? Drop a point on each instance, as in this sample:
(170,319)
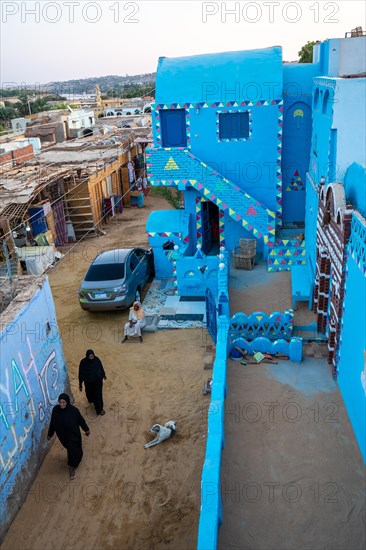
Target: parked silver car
(115,279)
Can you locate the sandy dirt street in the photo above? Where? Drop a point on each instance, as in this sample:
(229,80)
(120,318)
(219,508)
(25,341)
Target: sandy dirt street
(292,474)
(124,497)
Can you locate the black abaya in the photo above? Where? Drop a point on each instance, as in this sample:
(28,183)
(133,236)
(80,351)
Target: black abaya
(91,372)
(66,423)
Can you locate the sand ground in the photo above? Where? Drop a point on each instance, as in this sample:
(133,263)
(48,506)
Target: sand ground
(124,497)
(286,485)
(258,290)
(292,473)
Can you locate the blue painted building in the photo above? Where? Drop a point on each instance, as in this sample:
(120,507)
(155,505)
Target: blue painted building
(263,149)
(335,216)
(273,151)
(33,374)
(233,131)
(338,133)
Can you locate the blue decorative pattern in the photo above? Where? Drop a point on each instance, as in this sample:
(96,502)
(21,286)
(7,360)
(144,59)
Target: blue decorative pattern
(174,166)
(357,242)
(215,104)
(274,326)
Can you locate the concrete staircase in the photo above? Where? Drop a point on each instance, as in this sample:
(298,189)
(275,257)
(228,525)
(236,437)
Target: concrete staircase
(179,168)
(286,253)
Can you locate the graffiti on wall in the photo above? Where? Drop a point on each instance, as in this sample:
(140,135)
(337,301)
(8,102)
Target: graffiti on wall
(32,376)
(21,404)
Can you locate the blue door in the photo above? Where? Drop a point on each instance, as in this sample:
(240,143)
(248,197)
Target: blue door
(173,128)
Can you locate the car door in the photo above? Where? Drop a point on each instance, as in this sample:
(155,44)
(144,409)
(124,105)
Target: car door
(143,268)
(134,274)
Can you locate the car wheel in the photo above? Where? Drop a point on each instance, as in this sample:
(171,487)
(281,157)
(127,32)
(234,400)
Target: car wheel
(138,295)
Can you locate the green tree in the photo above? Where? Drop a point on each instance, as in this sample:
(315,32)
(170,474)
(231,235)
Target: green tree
(39,105)
(306,52)
(7,113)
(172,196)
(57,107)
(23,106)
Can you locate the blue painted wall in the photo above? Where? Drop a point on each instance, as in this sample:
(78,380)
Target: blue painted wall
(231,76)
(337,139)
(297,126)
(227,76)
(349,117)
(33,374)
(352,353)
(355,187)
(248,164)
(321,134)
(163,226)
(196,274)
(312,201)
(341,56)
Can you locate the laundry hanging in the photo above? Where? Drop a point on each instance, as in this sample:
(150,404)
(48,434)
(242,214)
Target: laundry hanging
(131,172)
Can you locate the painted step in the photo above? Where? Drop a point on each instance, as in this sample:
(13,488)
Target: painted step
(286,253)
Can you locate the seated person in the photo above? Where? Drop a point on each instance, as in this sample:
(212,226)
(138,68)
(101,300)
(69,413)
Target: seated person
(136,322)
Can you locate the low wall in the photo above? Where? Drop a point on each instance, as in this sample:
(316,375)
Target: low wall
(17,156)
(258,324)
(211,505)
(211,509)
(196,273)
(292,348)
(352,347)
(33,374)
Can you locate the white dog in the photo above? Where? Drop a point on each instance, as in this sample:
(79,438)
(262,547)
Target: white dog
(162,433)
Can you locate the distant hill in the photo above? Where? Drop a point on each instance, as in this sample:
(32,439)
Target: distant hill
(106,83)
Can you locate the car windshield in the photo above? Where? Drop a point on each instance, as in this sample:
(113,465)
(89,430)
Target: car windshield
(105,272)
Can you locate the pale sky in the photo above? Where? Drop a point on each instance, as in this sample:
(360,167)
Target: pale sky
(60,40)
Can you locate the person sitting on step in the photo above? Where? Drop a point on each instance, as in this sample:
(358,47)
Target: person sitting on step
(135,323)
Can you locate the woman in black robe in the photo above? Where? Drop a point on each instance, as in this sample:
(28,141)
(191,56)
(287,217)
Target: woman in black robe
(66,421)
(91,372)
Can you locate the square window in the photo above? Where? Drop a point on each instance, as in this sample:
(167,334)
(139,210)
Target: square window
(234,126)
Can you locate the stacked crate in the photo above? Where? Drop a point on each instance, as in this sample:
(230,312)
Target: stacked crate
(244,254)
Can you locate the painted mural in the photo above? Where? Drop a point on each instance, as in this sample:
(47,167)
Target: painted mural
(33,374)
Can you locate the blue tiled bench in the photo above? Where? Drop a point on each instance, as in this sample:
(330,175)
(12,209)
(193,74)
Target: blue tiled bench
(301,286)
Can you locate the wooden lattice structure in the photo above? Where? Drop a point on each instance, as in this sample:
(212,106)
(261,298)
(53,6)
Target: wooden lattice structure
(333,233)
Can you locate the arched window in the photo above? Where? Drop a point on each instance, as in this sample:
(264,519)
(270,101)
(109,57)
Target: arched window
(325,102)
(316,98)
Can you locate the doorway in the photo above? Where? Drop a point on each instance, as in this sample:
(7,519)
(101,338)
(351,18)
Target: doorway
(210,228)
